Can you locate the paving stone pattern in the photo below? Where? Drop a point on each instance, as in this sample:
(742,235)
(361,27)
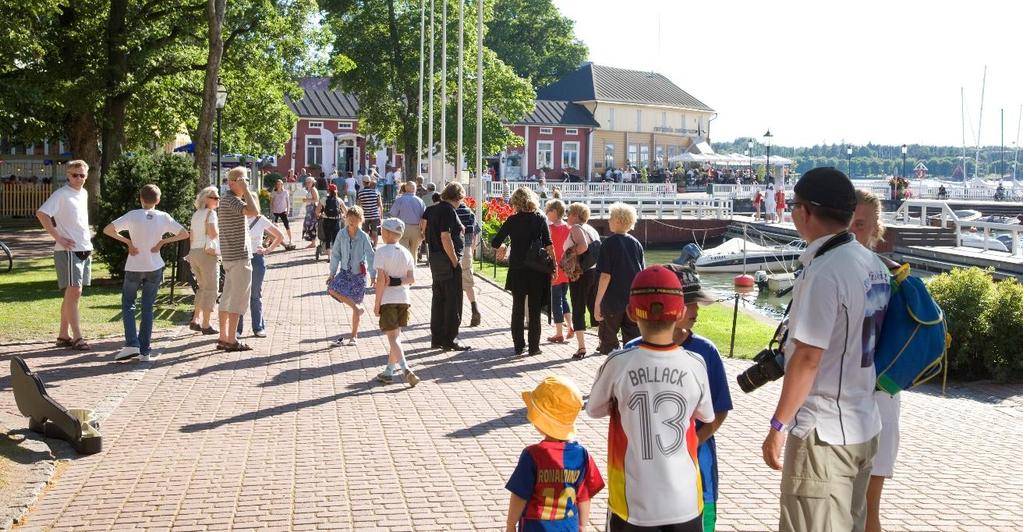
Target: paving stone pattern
(297,435)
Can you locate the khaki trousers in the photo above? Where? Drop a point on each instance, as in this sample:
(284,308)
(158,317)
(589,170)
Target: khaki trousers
(824,486)
(411,239)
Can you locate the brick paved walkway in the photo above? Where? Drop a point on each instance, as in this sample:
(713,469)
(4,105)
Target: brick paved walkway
(296,435)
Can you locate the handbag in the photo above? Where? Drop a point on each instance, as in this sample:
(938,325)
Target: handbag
(588,258)
(537,258)
(212,246)
(570,265)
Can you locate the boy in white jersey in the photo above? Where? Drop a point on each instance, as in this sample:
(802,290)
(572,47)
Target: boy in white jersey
(653,392)
(395,272)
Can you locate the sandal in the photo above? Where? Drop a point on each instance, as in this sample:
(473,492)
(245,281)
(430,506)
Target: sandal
(194,326)
(64,342)
(556,339)
(580,354)
(237,346)
(570,333)
(80,345)
(221,345)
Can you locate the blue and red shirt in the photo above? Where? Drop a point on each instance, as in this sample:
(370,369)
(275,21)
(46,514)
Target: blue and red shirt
(553,477)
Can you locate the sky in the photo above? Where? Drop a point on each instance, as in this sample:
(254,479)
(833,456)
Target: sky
(823,71)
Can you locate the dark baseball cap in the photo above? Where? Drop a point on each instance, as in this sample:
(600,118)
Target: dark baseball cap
(827,187)
(692,290)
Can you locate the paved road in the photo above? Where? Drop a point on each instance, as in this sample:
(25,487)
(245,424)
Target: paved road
(296,435)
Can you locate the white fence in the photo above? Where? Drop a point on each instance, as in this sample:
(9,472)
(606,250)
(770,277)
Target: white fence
(884,191)
(580,191)
(946,217)
(665,209)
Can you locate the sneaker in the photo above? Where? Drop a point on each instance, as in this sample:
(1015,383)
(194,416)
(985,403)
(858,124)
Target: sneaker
(259,334)
(151,357)
(476,318)
(385,377)
(127,352)
(411,378)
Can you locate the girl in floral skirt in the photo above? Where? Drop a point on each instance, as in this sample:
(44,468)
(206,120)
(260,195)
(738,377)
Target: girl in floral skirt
(351,257)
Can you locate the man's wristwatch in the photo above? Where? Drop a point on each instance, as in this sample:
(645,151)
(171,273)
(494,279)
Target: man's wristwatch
(777,425)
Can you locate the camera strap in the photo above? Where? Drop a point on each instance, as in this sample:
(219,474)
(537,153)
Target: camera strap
(840,239)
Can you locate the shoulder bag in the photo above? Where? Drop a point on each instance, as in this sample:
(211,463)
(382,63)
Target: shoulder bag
(212,246)
(537,257)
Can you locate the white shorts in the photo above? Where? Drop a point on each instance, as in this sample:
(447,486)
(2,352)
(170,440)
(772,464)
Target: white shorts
(888,440)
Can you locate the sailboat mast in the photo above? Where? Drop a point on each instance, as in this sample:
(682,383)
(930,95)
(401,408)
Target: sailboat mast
(980,121)
(962,118)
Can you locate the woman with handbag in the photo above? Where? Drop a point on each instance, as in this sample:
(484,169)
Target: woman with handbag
(530,267)
(351,257)
(204,259)
(560,311)
(581,247)
(312,203)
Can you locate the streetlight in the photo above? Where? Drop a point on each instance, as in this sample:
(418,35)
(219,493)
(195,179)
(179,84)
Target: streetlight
(749,152)
(221,101)
(848,158)
(904,161)
(767,140)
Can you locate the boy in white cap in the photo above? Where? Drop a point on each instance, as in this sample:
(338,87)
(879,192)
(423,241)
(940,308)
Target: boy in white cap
(395,272)
(554,480)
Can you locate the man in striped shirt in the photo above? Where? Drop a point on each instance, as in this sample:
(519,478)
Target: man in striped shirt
(236,253)
(372,205)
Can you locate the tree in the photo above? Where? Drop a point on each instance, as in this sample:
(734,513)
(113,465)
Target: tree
(535,40)
(375,57)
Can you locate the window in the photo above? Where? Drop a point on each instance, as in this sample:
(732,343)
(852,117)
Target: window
(571,131)
(659,156)
(639,120)
(644,155)
(570,155)
(545,154)
(672,152)
(344,125)
(610,117)
(315,125)
(546,131)
(609,155)
(664,119)
(313,150)
(633,154)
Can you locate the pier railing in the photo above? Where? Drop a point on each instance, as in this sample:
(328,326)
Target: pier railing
(582,191)
(666,209)
(882,190)
(947,218)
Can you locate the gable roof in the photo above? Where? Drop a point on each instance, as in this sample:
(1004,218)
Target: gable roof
(603,83)
(558,113)
(319,101)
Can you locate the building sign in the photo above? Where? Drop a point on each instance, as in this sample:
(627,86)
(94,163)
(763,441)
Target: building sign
(681,130)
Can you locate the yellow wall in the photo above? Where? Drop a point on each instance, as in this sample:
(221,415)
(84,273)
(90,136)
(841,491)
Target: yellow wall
(645,119)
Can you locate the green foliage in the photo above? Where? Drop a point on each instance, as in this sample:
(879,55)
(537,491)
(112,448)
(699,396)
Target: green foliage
(535,39)
(271,178)
(175,176)
(1003,356)
(965,296)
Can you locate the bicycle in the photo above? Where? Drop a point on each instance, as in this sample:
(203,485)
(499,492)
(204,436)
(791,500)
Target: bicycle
(5,256)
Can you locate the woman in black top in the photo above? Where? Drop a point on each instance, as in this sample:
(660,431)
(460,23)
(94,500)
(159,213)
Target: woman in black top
(524,227)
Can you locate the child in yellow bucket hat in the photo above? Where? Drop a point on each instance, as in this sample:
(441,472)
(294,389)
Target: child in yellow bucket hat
(554,480)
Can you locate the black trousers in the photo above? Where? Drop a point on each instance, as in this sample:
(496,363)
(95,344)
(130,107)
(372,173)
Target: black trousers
(617,524)
(521,297)
(446,306)
(583,291)
(608,329)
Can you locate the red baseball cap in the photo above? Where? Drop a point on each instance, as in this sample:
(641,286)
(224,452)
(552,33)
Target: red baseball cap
(656,295)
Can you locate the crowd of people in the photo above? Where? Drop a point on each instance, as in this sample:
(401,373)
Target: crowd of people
(663,385)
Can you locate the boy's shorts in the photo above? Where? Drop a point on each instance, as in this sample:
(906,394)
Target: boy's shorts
(393,316)
(72,269)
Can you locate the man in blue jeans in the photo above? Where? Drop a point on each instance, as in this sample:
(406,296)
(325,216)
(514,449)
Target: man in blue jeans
(144,267)
(257,226)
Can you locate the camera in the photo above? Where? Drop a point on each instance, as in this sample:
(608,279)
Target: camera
(769,364)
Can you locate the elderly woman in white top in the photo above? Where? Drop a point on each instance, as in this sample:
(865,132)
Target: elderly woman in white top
(203,258)
(312,202)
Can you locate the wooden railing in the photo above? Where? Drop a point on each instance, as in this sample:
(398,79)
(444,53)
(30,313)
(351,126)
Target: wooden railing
(22,200)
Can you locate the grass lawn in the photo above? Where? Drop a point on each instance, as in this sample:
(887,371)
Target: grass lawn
(30,303)
(715,322)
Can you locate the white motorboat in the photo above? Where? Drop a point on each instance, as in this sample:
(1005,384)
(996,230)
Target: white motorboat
(738,255)
(977,240)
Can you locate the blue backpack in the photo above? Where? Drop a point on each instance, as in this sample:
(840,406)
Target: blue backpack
(913,342)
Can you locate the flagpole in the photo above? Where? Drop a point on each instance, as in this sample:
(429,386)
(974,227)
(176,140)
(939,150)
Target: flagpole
(479,110)
(443,93)
(432,83)
(419,110)
(461,75)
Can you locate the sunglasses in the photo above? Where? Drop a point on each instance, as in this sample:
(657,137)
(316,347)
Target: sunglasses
(214,197)
(79,176)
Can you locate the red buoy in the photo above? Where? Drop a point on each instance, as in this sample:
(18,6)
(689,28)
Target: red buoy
(744,281)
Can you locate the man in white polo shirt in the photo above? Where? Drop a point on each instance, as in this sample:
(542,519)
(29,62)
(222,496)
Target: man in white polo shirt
(65,216)
(827,403)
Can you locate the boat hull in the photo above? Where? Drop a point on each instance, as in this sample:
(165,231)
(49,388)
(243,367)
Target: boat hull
(734,264)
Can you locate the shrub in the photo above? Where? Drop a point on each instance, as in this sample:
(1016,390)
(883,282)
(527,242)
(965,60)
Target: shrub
(1003,356)
(271,178)
(176,178)
(964,295)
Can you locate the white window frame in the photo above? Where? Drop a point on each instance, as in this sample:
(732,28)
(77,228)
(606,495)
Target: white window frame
(609,162)
(571,131)
(570,147)
(644,155)
(545,154)
(345,125)
(315,125)
(632,154)
(315,156)
(546,131)
(610,117)
(660,160)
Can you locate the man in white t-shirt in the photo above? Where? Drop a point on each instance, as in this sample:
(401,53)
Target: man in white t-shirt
(395,271)
(827,399)
(653,392)
(65,217)
(144,267)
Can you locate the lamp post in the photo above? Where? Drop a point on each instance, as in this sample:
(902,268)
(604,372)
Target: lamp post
(848,159)
(904,150)
(749,152)
(767,140)
(221,101)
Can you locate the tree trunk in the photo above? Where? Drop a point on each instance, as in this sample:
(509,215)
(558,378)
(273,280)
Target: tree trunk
(113,131)
(83,137)
(203,140)
(116,101)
